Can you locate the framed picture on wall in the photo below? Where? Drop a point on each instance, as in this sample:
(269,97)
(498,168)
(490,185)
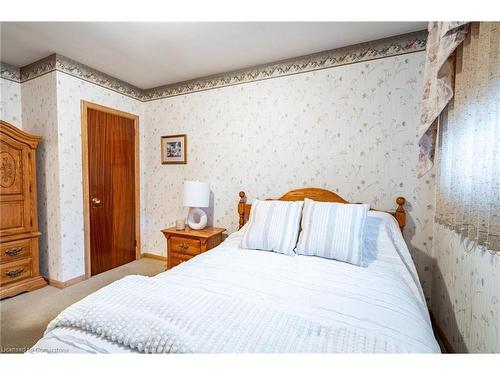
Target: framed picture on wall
(174,149)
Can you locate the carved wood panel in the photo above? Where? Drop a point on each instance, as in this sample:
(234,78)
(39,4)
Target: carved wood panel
(11,167)
(14,190)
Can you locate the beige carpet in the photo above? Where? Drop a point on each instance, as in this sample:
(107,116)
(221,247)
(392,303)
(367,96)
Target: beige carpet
(25,316)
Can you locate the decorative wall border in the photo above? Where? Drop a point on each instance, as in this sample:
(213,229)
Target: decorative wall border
(387,47)
(38,68)
(10,72)
(86,73)
(74,68)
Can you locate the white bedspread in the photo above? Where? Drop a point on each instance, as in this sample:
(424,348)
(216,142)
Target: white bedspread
(231,300)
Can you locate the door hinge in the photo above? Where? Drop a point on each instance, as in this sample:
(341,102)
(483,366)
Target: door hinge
(30,188)
(31,222)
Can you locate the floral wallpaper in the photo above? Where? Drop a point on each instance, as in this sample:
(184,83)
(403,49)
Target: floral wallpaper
(350,128)
(466,293)
(10,102)
(39,112)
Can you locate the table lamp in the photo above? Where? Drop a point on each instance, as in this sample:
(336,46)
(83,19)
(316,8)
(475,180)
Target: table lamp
(196,195)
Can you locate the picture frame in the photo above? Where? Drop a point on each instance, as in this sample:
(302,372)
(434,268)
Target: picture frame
(174,149)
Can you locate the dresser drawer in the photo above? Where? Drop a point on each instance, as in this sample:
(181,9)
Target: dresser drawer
(185,246)
(14,250)
(174,259)
(15,271)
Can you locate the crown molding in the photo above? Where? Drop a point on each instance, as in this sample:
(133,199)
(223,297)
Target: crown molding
(387,47)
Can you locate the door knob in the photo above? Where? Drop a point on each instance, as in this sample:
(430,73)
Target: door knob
(96,202)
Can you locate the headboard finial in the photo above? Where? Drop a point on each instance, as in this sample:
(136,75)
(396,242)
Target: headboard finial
(400,213)
(400,201)
(243,197)
(241,208)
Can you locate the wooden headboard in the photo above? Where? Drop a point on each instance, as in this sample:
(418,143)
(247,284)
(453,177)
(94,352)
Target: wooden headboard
(320,195)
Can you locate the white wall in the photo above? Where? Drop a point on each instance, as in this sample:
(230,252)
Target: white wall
(350,128)
(10,102)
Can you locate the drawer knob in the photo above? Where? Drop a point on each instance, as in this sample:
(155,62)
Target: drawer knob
(15,273)
(184,246)
(13,251)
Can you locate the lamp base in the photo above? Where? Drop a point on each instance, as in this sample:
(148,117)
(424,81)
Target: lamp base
(197,218)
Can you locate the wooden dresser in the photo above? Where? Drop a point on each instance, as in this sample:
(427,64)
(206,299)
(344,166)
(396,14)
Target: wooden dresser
(182,245)
(18,213)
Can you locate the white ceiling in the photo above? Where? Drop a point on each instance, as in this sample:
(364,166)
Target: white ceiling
(153,54)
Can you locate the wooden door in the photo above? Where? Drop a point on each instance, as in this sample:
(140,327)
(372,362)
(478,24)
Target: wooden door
(112,189)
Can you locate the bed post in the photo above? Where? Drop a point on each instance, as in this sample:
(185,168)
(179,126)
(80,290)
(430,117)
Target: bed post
(241,208)
(400,213)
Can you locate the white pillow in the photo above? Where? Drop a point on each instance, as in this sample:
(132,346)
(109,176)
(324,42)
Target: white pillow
(333,230)
(273,226)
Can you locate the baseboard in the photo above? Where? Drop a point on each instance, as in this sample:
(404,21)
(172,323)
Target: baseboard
(65,284)
(154,256)
(439,331)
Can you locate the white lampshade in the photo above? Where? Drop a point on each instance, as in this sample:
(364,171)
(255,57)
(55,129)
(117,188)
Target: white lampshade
(196,194)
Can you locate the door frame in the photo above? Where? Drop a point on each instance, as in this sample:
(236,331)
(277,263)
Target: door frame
(85,106)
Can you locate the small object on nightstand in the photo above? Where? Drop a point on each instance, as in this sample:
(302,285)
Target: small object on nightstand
(196,195)
(180,224)
(184,245)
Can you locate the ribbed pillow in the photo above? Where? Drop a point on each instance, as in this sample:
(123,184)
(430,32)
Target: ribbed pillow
(273,226)
(333,230)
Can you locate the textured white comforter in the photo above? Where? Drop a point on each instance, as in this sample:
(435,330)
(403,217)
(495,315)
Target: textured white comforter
(231,300)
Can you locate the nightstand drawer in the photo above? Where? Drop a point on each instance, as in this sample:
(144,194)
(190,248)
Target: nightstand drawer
(185,246)
(175,259)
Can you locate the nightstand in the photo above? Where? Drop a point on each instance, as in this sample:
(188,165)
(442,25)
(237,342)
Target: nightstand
(184,244)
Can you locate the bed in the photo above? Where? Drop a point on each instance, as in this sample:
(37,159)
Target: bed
(234,300)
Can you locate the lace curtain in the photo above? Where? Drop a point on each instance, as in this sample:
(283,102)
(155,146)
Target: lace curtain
(443,39)
(468,166)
